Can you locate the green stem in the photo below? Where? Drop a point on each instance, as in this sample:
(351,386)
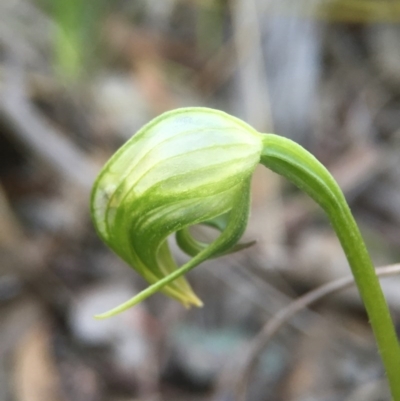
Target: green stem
(293,162)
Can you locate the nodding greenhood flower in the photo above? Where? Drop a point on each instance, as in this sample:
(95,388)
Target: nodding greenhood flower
(186,167)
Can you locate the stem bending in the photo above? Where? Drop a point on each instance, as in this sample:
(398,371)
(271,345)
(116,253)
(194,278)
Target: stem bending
(290,160)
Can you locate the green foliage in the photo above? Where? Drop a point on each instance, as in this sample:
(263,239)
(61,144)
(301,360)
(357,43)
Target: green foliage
(77,32)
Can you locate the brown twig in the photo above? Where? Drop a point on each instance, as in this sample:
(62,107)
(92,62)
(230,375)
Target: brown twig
(262,340)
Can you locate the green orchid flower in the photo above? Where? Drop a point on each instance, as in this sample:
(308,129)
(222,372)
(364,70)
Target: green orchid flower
(194,166)
(186,167)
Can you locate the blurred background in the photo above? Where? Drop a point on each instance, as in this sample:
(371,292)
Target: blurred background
(80,77)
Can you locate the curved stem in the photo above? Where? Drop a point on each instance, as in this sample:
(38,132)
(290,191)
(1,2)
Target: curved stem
(289,159)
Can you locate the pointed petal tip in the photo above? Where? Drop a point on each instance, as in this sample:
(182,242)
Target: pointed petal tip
(101,316)
(192,300)
(197,302)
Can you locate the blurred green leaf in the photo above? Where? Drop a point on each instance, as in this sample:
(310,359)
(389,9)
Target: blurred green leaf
(77,35)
